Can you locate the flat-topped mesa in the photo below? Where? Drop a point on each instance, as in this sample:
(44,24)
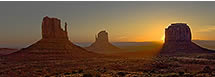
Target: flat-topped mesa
(51,29)
(178,32)
(178,40)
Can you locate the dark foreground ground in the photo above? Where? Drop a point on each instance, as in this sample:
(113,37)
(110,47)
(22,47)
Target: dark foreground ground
(198,65)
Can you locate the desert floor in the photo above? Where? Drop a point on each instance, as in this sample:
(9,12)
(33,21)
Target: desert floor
(198,65)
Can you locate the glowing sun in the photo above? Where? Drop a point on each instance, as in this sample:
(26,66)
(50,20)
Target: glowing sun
(163,38)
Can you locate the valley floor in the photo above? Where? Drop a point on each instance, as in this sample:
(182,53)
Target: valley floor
(201,65)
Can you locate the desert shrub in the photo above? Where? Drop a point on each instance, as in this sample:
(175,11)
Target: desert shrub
(67,73)
(80,71)
(207,69)
(173,76)
(121,74)
(188,75)
(39,71)
(56,74)
(47,76)
(87,75)
(74,72)
(104,70)
(181,73)
(146,71)
(159,76)
(152,71)
(97,75)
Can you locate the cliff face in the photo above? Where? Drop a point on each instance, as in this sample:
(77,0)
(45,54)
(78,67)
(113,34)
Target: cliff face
(102,44)
(178,40)
(54,44)
(51,29)
(178,32)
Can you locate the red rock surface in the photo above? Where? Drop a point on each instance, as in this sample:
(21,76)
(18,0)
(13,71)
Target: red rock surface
(51,29)
(102,44)
(178,40)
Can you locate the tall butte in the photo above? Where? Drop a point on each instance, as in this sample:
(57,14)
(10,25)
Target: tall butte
(178,40)
(102,44)
(54,44)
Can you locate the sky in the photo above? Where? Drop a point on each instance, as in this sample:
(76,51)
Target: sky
(20,22)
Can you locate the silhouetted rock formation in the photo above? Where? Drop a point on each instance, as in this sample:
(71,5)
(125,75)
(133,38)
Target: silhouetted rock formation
(102,37)
(102,43)
(54,44)
(178,40)
(178,32)
(51,29)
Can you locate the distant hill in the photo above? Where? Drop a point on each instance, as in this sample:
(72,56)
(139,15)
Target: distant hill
(139,49)
(138,46)
(5,51)
(210,44)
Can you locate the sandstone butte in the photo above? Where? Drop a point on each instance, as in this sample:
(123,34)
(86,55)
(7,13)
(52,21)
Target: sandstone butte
(53,45)
(102,44)
(178,40)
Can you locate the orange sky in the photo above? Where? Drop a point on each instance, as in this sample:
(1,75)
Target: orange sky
(125,21)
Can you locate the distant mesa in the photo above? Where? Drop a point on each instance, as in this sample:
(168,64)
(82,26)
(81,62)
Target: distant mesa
(54,43)
(102,44)
(178,40)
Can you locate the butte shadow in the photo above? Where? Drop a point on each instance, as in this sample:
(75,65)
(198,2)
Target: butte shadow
(178,41)
(53,45)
